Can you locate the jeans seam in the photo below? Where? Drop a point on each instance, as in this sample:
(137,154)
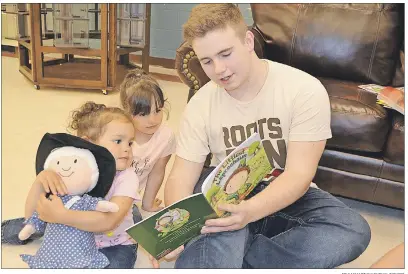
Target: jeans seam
(290,218)
(282,234)
(203,252)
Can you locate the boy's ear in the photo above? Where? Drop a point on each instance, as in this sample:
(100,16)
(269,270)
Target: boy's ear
(249,40)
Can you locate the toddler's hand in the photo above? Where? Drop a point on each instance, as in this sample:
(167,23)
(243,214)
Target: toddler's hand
(51,209)
(155,207)
(51,181)
(169,257)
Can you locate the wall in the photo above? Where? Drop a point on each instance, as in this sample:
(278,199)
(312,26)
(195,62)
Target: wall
(166,27)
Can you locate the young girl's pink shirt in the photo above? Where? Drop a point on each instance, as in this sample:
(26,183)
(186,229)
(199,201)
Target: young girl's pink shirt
(145,156)
(125,184)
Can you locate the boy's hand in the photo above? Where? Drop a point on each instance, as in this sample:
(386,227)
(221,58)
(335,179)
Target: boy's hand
(238,219)
(51,182)
(50,210)
(169,257)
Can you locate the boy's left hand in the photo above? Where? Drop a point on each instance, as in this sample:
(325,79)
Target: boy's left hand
(238,219)
(50,209)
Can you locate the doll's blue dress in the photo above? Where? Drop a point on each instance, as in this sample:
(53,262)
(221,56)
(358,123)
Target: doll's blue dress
(65,246)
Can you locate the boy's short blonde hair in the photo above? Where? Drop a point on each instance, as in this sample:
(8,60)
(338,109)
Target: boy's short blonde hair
(208,17)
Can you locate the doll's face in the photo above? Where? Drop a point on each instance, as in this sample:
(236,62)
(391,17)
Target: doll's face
(74,171)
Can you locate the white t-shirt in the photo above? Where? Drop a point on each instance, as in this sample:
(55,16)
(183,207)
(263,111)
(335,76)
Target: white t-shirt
(145,156)
(291,106)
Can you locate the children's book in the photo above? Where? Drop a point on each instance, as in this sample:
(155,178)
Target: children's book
(394,98)
(388,97)
(373,88)
(230,182)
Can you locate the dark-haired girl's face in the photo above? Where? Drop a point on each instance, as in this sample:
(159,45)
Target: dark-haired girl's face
(148,123)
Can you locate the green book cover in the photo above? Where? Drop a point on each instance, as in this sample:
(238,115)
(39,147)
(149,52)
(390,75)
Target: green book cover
(230,182)
(173,226)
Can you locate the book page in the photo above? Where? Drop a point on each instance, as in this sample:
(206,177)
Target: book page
(238,174)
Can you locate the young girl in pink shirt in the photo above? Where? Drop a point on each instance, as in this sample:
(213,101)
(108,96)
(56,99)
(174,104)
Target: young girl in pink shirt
(142,97)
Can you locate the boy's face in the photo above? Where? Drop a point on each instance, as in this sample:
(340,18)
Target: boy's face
(225,57)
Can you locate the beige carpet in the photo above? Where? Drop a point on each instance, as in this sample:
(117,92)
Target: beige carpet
(28,113)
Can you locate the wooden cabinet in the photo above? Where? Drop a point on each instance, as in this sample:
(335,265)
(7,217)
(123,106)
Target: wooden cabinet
(86,48)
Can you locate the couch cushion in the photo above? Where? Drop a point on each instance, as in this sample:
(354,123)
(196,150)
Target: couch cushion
(357,121)
(363,165)
(355,42)
(361,187)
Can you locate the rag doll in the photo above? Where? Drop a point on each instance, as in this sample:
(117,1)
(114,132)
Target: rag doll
(74,160)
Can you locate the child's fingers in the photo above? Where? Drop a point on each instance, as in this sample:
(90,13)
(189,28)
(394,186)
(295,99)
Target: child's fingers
(52,187)
(60,189)
(45,186)
(64,187)
(174,254)
(154,262)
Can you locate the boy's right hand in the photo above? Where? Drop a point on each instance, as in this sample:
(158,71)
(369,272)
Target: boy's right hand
(51,182)
(169,257)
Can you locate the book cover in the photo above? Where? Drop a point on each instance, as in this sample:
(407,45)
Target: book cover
(230,182)
(373,88)
(239,173)
(394,98)
(173,226)
(388,97)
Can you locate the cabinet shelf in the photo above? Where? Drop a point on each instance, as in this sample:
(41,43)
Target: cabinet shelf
(62,18)
(132,19)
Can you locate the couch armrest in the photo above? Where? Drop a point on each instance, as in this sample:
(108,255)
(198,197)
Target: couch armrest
(395,146)
(189,68)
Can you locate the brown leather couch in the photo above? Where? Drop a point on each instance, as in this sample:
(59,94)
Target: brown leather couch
(343,45)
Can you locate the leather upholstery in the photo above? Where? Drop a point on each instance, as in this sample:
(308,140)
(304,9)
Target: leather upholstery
(355,42)
(394,150)
(358,123)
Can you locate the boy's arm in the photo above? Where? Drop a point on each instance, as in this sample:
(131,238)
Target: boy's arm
(182,179)
(301,165)
(154,183)
(53,211)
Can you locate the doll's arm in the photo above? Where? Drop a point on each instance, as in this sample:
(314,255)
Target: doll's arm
(98,204)
(106,206)
(26,232)
(32,224)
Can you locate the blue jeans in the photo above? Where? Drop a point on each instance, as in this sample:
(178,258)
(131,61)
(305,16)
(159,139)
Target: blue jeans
(121,256)
(316,231)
